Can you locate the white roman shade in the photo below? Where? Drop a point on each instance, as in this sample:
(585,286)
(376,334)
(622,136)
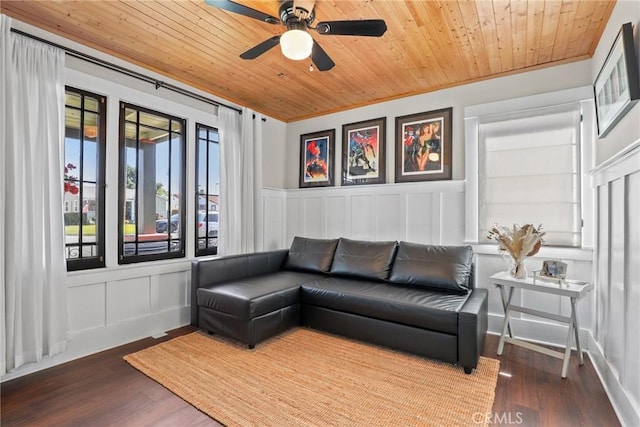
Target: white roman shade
(529,172)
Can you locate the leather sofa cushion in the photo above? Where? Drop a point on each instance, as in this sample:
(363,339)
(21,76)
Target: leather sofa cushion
(313,255)
(445,268)
(422,308)
(362,259)
(254,296)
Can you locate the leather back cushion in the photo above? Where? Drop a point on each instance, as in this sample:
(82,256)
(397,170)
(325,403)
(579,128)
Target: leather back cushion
(361,259)
(312,255)
(445,268)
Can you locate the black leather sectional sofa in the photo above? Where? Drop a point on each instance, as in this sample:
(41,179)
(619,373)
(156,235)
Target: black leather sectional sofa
(416,298)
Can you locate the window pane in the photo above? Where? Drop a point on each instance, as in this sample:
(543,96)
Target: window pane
(154,121)
(152,183)
(208,185)
(73,100)
(90,147)
(83,180)
(91,104)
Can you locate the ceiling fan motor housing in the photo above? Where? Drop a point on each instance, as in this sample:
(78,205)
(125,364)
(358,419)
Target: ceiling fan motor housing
(295,18)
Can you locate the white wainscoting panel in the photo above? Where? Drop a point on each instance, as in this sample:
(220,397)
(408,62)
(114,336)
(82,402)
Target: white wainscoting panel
(616,339)
(389,224)
(336,214)
(87,306)
(172,290)
(420,221)
(426,212)
(314,216)
(273,211)
(452,217)
(293,220)
(362,219)
(632,292)
(128,299)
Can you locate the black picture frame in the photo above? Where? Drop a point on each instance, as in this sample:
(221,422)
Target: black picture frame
(617,87)
(423,146)
(363,152)
(317,159)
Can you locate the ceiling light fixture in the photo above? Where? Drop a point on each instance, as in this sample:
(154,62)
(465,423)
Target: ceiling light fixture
(296,44)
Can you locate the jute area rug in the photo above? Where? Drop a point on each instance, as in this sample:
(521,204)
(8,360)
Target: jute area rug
(308,378)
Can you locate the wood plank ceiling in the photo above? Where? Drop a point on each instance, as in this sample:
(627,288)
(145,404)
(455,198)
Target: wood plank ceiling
(429,45)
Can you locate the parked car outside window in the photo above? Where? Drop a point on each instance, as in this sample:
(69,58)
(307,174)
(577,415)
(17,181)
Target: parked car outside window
(161,224)
(207,224)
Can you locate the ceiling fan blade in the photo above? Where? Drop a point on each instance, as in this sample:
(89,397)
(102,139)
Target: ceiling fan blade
(243,10)
(258,50)
(320,58)
(365,27)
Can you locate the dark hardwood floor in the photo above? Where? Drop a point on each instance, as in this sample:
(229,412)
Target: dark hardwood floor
(103,390)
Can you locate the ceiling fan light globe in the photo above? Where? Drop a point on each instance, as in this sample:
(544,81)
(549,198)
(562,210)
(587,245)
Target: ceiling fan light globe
(296,44)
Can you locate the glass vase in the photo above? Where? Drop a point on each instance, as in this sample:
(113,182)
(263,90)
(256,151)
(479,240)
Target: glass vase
(518,270)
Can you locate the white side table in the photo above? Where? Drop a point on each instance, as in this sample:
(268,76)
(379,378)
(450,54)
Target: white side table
(572,289)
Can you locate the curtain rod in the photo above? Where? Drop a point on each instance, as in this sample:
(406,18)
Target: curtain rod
(158,84)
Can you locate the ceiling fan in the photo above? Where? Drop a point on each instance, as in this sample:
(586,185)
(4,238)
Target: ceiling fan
(296,43)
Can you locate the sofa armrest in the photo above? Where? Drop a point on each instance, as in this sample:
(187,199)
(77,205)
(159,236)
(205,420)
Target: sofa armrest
(472,328)
(211,271)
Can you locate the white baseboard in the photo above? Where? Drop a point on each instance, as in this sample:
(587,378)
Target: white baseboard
(92,341)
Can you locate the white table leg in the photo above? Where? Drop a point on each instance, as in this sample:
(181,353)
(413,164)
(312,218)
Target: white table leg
(503,296)
(505,323)
(576,329)
(567,350)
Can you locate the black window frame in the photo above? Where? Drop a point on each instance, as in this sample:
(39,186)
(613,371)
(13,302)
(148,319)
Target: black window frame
(169,254)
(207,250)
(98,261)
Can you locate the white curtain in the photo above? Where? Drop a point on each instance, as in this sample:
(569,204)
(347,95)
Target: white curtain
(241,180)
(34,307)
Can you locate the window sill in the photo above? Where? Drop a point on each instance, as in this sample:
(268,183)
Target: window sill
(546,252)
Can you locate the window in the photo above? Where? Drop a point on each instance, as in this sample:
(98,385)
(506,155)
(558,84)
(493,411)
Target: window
(152,185)
(529,172)
(84,159)
(208,188)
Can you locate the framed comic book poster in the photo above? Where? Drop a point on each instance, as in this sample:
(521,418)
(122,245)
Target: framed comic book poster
(363,155)
(316,159)
(423,146)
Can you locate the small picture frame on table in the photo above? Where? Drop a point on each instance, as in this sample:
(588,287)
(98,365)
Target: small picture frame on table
(554,271)
(317,159)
